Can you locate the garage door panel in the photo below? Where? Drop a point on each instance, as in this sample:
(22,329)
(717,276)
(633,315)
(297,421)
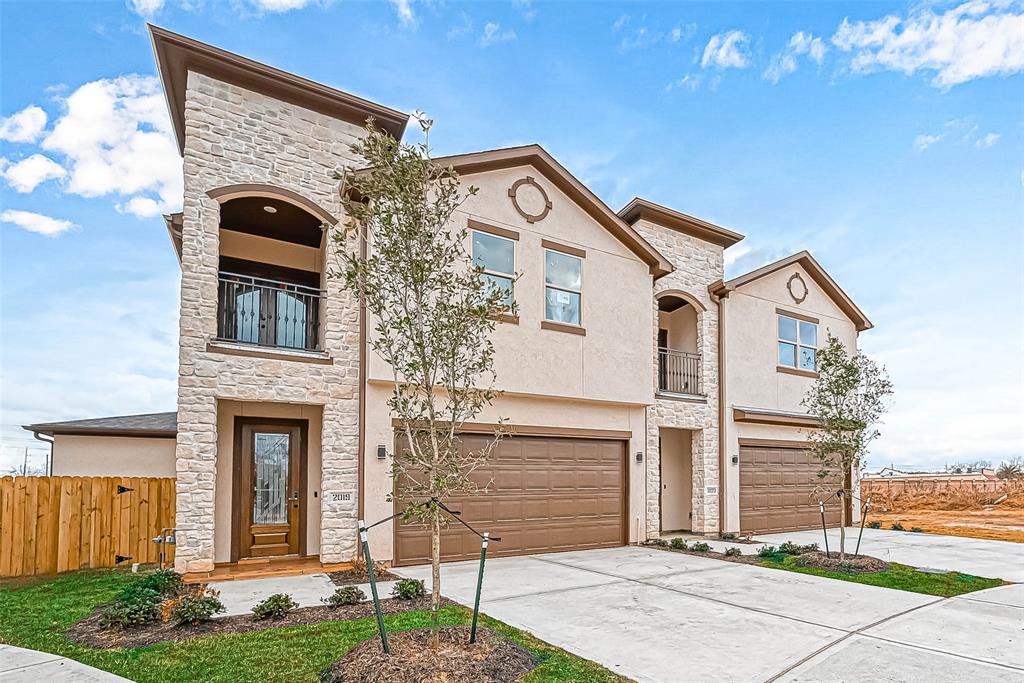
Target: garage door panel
(548,494)
(777,490)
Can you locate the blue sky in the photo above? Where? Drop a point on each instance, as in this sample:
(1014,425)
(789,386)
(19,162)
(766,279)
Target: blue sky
(883,137)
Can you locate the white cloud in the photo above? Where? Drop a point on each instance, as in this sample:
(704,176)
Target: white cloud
(25,126)
(620,22)
(463,28)
(28,173)
(785,62)
(525,8)
(987,140)
(924,141)
(727,51)
(146,8)
(404,10)
(36,222)
(973,40)
(116,139)
(493,34)
(688,82)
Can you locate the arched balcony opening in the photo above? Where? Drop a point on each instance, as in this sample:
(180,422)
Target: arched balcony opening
(271,273)
(679,361)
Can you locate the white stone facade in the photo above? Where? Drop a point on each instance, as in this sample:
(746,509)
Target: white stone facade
(697,264)
(232,136)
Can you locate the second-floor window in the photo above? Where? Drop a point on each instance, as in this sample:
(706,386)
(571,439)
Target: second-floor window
(497,257)
(563,285)
(798,344)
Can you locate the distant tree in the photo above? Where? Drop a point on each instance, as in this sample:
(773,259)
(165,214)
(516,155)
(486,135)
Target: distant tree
(1011,468)
(433,312)
(848,398)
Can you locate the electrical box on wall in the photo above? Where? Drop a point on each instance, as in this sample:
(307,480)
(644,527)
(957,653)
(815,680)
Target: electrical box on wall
(735,460)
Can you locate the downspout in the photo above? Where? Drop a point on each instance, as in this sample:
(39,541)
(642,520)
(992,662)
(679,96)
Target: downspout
(49,460)
(361,476)
(719,294)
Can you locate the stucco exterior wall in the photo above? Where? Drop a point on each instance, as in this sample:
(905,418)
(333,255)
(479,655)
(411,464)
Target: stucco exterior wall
(698,264)
(517,410)
(613,361)
(234,135)
(752,380)
(112,456)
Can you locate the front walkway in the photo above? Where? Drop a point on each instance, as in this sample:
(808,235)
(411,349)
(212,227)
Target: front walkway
(18,665)
(652,615)
(308,590)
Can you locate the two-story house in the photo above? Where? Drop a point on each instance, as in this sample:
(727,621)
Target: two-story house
(644,394)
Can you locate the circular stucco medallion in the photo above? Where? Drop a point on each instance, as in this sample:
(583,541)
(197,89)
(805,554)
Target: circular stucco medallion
(797,288)
(530,199)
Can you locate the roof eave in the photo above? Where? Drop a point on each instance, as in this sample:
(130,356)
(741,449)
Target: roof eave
(639,208)
(176,55)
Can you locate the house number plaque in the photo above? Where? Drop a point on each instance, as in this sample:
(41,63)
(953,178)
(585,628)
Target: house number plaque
(341,497)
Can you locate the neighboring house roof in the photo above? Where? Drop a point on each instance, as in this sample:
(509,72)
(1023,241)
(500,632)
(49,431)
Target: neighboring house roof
(817,273)
(540,159)
(176,55)
(639,208)
(164,425)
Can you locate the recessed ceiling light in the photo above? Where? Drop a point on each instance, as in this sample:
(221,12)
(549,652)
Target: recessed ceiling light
(270,209)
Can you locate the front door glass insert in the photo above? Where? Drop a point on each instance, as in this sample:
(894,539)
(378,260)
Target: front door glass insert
(270,494)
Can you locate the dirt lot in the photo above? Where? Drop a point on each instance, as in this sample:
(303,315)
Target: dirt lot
(997,525)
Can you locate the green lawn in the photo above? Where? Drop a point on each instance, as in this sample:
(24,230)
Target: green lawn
(36,614)
(899,576)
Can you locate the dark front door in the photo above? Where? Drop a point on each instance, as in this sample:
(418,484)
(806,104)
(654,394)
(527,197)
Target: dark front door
(269,467)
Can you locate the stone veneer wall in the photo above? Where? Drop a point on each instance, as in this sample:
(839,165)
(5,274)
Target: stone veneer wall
(233,135)
(697,264)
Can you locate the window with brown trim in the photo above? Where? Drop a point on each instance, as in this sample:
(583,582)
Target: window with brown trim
(563,287)
(797,344)
(497,257)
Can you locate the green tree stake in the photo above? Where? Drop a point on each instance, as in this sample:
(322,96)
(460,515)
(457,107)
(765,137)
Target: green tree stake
(863,516)
(479,586)
(373,588)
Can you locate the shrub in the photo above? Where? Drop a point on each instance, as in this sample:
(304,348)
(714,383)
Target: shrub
(700,547)
(274,607)
(727,536)
(733,552)
(359,566)
(197,607)
(166,582)
(408,589)
(767,551)
(678,544)
(897,527)
(874,525)
(133,606)
(660,542)
(346,595)
(916,530)
(790,548)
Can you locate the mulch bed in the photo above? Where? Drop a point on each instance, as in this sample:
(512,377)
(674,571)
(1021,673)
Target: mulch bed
(851,565)
(89,633)
(750,558)
(492,659)
(352,577)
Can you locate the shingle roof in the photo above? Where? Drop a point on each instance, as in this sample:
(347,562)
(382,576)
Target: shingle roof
(148,424)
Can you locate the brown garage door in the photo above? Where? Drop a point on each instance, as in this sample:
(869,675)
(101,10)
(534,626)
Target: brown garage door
(549,494)
(777,490)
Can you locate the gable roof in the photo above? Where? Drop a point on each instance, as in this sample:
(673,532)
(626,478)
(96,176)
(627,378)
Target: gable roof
(176,55)
(817,273)
(639,208)
(540,159)
(162,425)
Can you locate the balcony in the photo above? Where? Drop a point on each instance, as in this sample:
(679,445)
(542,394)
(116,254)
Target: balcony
(679,372)
(268,313)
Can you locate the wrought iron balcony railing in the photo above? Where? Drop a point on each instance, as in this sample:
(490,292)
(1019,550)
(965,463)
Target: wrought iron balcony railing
(262,312)
(679,372)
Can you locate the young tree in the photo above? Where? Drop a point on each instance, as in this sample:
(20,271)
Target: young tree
(848,398)
(432,313)
(1011,468)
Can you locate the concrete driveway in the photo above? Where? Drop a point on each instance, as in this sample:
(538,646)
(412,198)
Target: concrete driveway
(981,557)
(652,615)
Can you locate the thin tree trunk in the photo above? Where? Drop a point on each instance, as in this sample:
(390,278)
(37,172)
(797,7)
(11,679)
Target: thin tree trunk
(435,576)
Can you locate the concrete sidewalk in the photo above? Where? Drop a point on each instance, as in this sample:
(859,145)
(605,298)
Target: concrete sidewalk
(18,665)
(652,615)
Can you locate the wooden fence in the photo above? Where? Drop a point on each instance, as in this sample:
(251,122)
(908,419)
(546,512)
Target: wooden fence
(58,524)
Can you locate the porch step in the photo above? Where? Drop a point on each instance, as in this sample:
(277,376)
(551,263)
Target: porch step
(265,567)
